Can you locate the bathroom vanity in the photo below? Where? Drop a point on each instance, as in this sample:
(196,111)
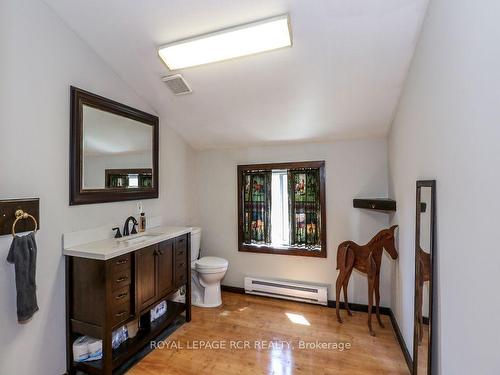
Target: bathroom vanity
(111,282)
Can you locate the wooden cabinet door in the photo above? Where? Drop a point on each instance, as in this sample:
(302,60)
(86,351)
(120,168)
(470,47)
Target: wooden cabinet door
(146,287)
(165,267)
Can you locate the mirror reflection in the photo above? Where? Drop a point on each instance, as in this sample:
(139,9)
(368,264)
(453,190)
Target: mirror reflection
(117,151)
(423,279)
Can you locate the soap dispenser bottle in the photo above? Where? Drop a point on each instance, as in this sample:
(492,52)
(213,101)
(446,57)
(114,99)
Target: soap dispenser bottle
(142,222)
(142,217)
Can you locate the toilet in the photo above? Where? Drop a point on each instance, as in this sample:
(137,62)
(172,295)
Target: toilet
(206,274)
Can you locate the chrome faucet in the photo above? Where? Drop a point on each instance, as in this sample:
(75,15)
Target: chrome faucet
(126,227)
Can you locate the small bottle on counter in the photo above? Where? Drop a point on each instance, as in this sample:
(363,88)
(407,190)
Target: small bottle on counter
(142,217)
(142,222)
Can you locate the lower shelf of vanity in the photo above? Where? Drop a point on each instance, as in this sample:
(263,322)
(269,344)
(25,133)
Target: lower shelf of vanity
(134,345)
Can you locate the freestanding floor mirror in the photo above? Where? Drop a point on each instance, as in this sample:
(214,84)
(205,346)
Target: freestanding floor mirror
(424,276)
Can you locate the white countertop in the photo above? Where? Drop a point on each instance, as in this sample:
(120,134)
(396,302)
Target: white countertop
(113,247)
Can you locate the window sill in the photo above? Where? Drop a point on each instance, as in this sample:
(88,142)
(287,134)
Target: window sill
(297,251)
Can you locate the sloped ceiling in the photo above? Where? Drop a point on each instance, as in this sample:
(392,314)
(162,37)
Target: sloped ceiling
(341,79)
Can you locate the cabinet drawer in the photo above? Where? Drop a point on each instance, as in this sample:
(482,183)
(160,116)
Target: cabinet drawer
(120,296)
(181,243)
(180,278)
(180,272)
(180,254)
(120,313)
(120,264)
(120,279)
(180,266)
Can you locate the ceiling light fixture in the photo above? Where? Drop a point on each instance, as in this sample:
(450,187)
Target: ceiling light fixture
(255,37)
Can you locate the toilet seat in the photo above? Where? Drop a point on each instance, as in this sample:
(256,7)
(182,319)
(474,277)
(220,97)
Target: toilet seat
(210,265)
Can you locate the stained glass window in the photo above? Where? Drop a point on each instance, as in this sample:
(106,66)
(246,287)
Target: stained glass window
(281,208)
(257,207)
(305,208)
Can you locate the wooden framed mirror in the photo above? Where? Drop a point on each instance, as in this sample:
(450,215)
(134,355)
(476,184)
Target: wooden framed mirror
(113,151)
(425,251)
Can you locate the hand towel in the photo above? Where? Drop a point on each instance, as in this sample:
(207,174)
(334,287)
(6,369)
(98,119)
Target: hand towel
(22,254)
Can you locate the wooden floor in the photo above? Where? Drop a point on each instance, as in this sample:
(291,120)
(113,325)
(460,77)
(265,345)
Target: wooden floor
(273,342)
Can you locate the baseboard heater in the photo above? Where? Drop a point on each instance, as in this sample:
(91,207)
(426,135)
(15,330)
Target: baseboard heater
(292,290)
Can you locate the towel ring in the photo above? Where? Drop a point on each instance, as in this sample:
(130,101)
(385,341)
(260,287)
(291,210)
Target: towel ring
(20,214)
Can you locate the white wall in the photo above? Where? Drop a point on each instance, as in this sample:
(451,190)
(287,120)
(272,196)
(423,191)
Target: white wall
(40,58)
(353,169)
(447,128)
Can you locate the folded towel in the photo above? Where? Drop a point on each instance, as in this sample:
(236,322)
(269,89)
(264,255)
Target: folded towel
(23,255)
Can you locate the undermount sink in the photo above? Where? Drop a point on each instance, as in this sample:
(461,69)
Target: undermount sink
(137,239)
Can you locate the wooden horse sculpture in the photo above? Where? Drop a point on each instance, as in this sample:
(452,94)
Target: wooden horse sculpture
(423,274)
(365,259)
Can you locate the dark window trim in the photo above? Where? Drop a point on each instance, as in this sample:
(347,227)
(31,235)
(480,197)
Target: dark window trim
(263,249)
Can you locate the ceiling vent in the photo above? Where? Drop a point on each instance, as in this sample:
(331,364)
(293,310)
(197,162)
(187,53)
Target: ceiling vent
(177,84)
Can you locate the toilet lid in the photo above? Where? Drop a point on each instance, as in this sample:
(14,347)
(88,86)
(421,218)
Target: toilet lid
(211,262)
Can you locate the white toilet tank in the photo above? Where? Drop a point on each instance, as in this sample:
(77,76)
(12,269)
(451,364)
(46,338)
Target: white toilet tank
(195,243)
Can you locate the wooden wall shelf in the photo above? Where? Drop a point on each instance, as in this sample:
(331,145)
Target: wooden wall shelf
(380,204)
